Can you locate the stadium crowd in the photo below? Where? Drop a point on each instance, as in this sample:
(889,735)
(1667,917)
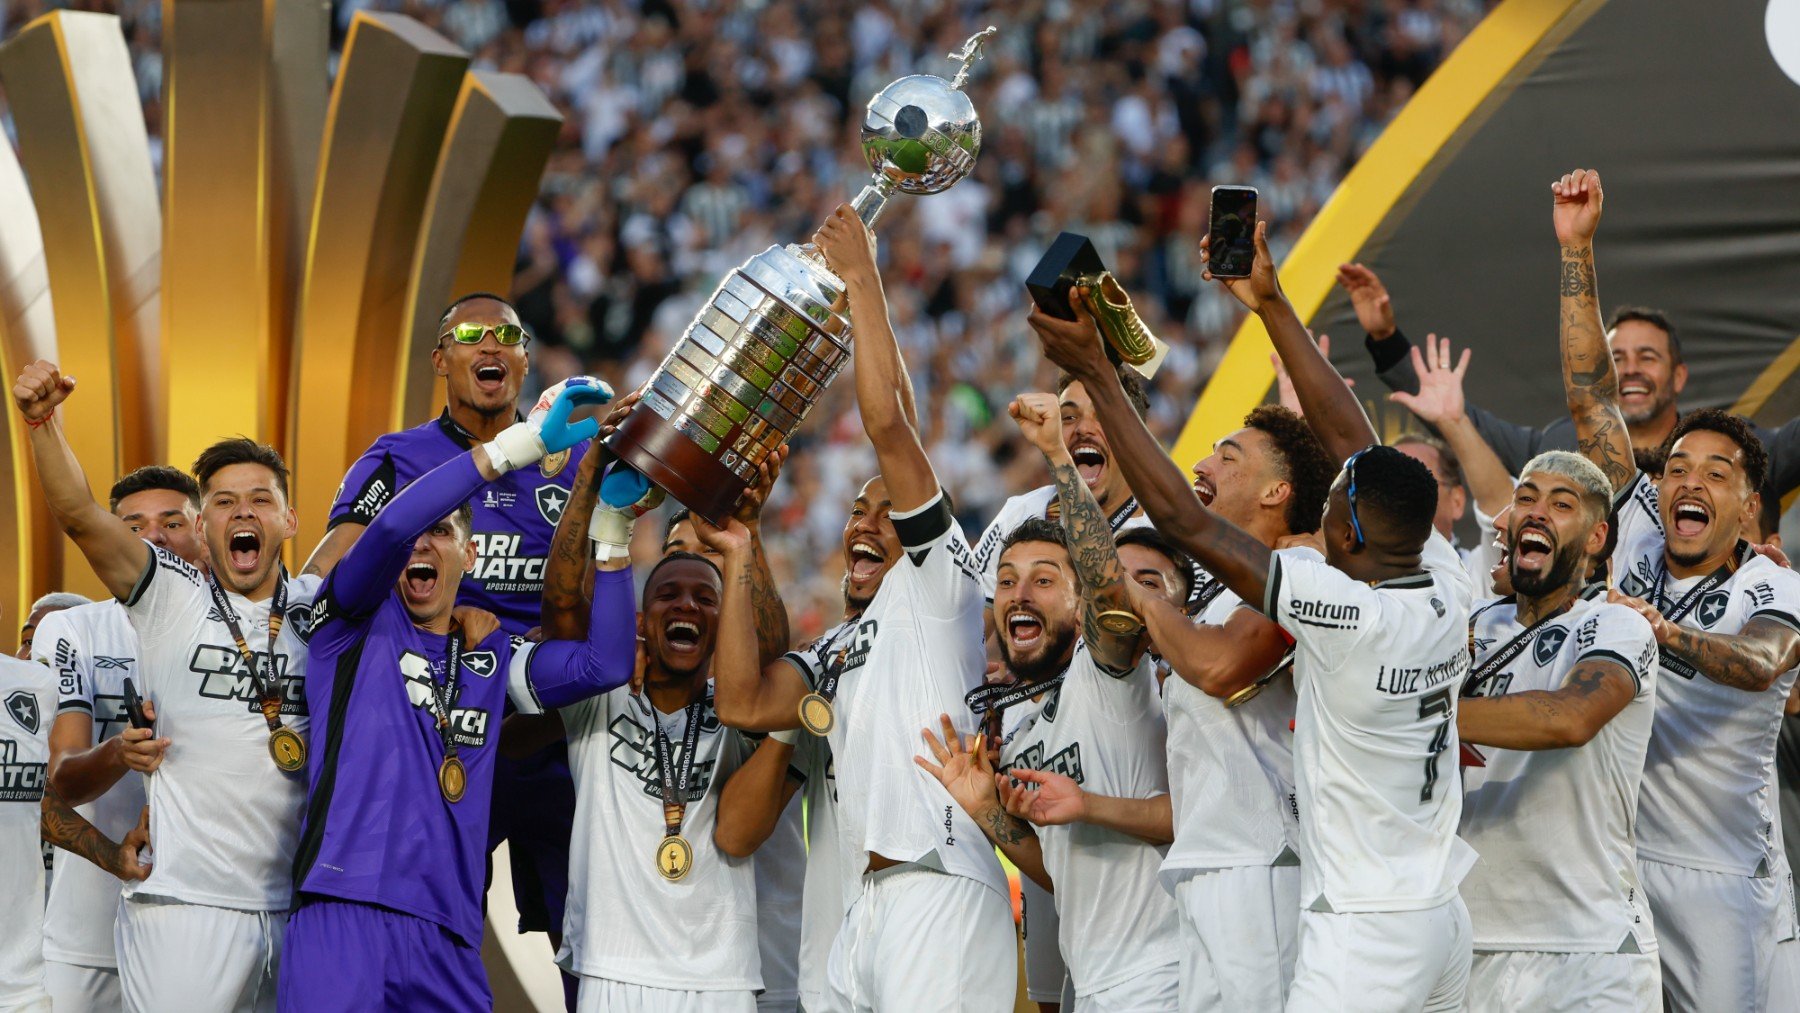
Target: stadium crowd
(697,134)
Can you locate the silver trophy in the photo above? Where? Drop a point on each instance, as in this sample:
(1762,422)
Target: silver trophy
(777,329)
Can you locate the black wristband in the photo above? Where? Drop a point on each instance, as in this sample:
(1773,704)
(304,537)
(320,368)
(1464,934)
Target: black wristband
(1389,351)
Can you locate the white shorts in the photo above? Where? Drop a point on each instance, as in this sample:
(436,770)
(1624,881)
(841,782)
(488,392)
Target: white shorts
(77,989)
(1240,929)
(1716,933)
(1386,960)
(175,956)
(1512,980)
(921,941)
(604,995)
(1157,991)
(1044,968)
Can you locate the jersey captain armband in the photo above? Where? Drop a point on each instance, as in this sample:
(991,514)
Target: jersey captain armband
(921,529)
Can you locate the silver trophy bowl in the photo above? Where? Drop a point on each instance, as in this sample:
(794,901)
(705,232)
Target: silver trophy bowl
(777,329)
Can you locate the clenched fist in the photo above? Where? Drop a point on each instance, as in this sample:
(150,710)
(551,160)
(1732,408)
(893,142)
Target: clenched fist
(1040,419)
(40,388)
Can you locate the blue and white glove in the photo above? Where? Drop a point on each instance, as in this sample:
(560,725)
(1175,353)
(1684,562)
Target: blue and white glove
(625,495)
(547,429)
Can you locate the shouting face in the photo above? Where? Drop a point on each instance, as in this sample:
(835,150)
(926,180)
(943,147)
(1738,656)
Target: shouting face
(1705,497)
(1649,378)
(1087,445)
(435,570)
(244,521)
(871,545)
(483,377)
(1035,609)
(1551,533)
(681,616)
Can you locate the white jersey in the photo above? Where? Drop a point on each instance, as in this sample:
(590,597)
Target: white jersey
(1554,827)
(1377,669)
(1708,800)
(829,886)
(780,866)
(1105,731)
(1231,769)
(92,649)
(27,706)
(623,920)
(915,652)
(224,819)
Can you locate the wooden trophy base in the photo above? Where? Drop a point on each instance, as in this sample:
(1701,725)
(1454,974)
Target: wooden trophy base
(647,442)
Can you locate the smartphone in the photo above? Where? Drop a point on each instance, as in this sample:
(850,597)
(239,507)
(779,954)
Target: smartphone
(1231,224)
(134,706)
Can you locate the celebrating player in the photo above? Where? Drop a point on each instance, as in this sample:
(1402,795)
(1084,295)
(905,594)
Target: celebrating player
(97,760)
(1563,688)
(411,701)
(1068,633)
(909,656)
(661,849)
(225,672)
(1380,651)
(1727,628)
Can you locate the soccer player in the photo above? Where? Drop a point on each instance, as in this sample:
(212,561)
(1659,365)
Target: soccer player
(911,653)
(224,665)
(391,861)
(1727,628)
(48,605)
(1067,632)
(1562,692)
(97,760)
(482,353)
(31,810)
(661,850)
(1380,653)
(1234,867)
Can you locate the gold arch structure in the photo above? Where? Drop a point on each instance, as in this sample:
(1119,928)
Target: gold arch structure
(1506,45)
(304,231)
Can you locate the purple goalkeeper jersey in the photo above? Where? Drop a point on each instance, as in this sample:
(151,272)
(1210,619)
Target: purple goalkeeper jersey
(377,829)
(515,515)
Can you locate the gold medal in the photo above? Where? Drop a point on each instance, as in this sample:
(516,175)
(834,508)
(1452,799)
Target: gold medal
(553,463)
(816,714)
(1244,696)
(453,778)
(286,749)
(674,857)
(1119,622)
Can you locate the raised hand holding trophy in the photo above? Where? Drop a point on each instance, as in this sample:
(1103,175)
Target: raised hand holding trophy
(777,330)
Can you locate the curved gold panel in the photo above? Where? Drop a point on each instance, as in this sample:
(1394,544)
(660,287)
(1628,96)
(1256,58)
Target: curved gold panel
(69,81)
(28,534)
(397,84)
(237,181)
(500,137)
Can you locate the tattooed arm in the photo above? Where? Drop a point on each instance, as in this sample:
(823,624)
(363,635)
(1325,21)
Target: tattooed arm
(569,572)
(772,635)
(1589,380)
(1596,691)
(1161,488)
(963,769)
(1098,573)
(1750,660)
(747,694)
(65,828)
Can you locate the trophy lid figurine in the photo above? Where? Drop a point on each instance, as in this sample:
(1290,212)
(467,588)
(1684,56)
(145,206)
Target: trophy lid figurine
(777,329)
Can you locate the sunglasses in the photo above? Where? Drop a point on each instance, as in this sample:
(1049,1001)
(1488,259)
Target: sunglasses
(472,333)
(1350,466)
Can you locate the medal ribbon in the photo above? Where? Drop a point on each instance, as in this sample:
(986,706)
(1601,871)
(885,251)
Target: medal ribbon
(997,696)
(1510,650)
(268,688)
(675,784)
(443,695)
(834,669)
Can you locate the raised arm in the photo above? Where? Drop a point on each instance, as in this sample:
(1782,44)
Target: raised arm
(117,555)
(1439,403)
(772,635)
(883,391)
(754,796)
(1098,573)
(746,693)
(1159,485)
(1325,399)
(1594,693)
(1590,383)
(569,571)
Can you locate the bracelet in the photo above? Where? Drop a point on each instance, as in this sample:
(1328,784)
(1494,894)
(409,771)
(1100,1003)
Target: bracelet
(40,423)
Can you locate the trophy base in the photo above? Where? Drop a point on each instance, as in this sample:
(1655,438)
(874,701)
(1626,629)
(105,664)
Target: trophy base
(647,442)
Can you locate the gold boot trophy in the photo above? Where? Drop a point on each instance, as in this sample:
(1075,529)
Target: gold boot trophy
(1071,260)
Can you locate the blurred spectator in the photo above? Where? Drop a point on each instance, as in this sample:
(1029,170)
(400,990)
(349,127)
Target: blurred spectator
(699,132)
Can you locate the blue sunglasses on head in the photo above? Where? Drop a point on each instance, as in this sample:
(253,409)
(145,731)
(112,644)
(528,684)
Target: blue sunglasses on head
(1350,492)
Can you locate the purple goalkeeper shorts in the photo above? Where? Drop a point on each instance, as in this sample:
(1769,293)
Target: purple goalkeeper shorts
(346,957)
